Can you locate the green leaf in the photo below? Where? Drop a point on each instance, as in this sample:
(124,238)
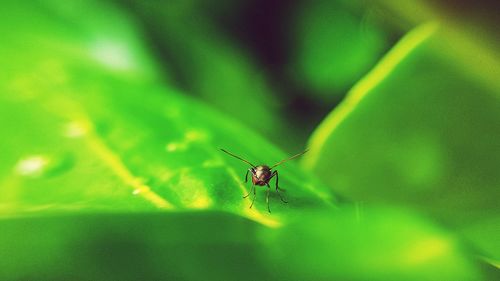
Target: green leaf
(421,130)
(134,246)
(361,244)
(367,244)
(92,139)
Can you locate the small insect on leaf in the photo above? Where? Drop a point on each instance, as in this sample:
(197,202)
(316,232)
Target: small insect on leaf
(261,175)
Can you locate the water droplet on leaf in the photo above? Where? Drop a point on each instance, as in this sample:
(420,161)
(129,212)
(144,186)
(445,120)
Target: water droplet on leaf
(32,166)
(44,165)
(75,129)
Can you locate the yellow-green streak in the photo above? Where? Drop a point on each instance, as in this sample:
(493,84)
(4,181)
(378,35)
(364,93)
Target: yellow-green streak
(465,45)
(404,47)
(120,170)
(493,262)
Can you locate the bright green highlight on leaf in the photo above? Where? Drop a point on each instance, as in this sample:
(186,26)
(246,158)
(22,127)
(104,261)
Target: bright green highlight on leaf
(362,88)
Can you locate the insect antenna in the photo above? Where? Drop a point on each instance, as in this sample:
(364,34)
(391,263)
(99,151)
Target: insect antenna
(235,156)
(290,158)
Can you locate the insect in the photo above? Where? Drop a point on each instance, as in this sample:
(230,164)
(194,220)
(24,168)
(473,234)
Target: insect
(261,175)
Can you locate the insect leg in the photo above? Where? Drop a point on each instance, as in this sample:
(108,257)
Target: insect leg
(246,176)
(248,193)
(277,187)
(246,180)
(254,195)
(267,198)
(275,173)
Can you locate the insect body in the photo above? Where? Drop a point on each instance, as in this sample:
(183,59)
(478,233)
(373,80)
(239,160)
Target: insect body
(261,175)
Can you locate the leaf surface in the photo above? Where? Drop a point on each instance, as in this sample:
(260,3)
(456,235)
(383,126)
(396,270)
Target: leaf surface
(81,135)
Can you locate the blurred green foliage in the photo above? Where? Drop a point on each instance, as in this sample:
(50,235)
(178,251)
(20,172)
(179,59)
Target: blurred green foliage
(336,43)
(436,134)
(109,171)
(368,244)
(353,245)
(209,65)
